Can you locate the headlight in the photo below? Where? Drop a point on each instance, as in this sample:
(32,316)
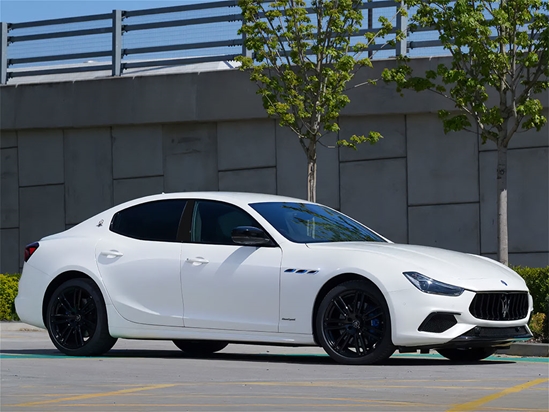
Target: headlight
(428,285)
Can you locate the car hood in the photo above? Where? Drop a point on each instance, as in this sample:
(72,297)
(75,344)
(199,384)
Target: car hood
(460,269)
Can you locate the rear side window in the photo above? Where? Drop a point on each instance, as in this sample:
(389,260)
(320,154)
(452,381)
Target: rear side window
(156,221)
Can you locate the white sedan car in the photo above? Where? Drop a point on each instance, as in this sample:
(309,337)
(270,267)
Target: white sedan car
(208,269)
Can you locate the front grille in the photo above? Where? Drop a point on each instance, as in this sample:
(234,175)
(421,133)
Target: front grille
(500,305)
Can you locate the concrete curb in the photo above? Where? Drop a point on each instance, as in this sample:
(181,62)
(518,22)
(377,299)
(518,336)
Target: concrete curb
(526,349)
(19,327)
(516,349)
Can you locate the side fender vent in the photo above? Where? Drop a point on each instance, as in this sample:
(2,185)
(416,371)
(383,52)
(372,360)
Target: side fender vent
(302,271)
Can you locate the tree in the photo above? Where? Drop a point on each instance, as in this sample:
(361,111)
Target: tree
(302,65)
(499,63)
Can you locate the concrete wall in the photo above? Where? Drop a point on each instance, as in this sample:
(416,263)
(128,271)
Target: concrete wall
(70,150)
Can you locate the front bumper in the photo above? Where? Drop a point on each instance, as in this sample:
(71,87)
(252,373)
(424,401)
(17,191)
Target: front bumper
(481,337)
(494,337)
(412,309)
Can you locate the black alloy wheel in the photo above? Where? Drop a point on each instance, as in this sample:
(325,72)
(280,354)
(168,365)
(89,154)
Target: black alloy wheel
(76,319)
(200,347)
(353,324)
(467,354)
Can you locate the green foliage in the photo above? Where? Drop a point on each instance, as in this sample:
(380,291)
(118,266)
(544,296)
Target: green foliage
(537,280)
(8,291)
(498,49)
(302,59)
(302,66)
(539,326)
(372,138)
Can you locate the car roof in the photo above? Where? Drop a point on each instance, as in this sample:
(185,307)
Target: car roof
(232,197)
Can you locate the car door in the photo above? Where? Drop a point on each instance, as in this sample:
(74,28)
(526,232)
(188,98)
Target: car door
(140,262)
(228,286)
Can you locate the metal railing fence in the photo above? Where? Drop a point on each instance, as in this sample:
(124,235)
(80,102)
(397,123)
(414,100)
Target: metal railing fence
(168,36)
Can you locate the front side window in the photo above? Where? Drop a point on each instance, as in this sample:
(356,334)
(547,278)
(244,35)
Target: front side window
(213,222)
(311,223)
(156,221)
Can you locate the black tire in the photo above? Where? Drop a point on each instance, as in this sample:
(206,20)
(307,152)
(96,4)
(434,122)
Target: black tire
(466,354)
(200,347)
(76,319)
(353,324)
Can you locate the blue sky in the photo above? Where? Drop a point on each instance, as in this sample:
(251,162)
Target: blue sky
(15,11)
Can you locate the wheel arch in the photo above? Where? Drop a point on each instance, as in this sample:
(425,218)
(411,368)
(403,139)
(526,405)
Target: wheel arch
(59,280)
(329,285)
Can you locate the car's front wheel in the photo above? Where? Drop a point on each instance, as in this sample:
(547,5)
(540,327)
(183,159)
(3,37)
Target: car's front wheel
(76,319)
(466,354)
(353,324)
(200,347)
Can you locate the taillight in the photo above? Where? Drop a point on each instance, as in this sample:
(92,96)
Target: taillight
(30,249)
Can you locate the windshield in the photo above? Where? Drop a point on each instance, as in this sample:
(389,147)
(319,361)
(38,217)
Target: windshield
(312,223)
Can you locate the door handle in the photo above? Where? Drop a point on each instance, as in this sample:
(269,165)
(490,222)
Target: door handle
(112,253)
(198,261)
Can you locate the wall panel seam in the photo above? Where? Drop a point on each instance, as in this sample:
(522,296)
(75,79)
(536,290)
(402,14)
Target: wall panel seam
(42,185)
(406,177)
(512,149)
(373,159)
(136,177)
(443,204)
(247,168)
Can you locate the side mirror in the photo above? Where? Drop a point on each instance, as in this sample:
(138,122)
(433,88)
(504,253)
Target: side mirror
(250,236)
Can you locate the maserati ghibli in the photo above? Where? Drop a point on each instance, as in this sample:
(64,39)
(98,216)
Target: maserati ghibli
(207,269)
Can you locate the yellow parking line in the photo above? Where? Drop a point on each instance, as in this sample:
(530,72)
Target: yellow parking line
(500,409)
(471,406)
(366,385)
(224,406)
(95,395)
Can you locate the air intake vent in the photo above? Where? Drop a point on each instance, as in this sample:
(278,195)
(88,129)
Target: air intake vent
(438,322)
(500,306)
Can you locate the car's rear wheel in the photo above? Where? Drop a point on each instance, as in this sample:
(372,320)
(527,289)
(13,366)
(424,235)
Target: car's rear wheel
(200,347)
(76,319)
(466,354)
(353,324)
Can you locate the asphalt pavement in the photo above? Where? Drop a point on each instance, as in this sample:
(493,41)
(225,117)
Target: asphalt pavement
(156,376)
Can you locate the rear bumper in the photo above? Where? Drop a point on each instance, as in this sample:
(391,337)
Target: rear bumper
(29,300)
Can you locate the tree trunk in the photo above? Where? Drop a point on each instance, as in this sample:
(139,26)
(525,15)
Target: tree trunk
(311,172)
(503,236)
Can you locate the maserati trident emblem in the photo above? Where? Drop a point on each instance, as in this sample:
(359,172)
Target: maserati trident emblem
(502,281)
(505,302)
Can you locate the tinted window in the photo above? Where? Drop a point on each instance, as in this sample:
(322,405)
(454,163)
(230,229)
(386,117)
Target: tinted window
(158,221)
(310,223)
(213,222)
